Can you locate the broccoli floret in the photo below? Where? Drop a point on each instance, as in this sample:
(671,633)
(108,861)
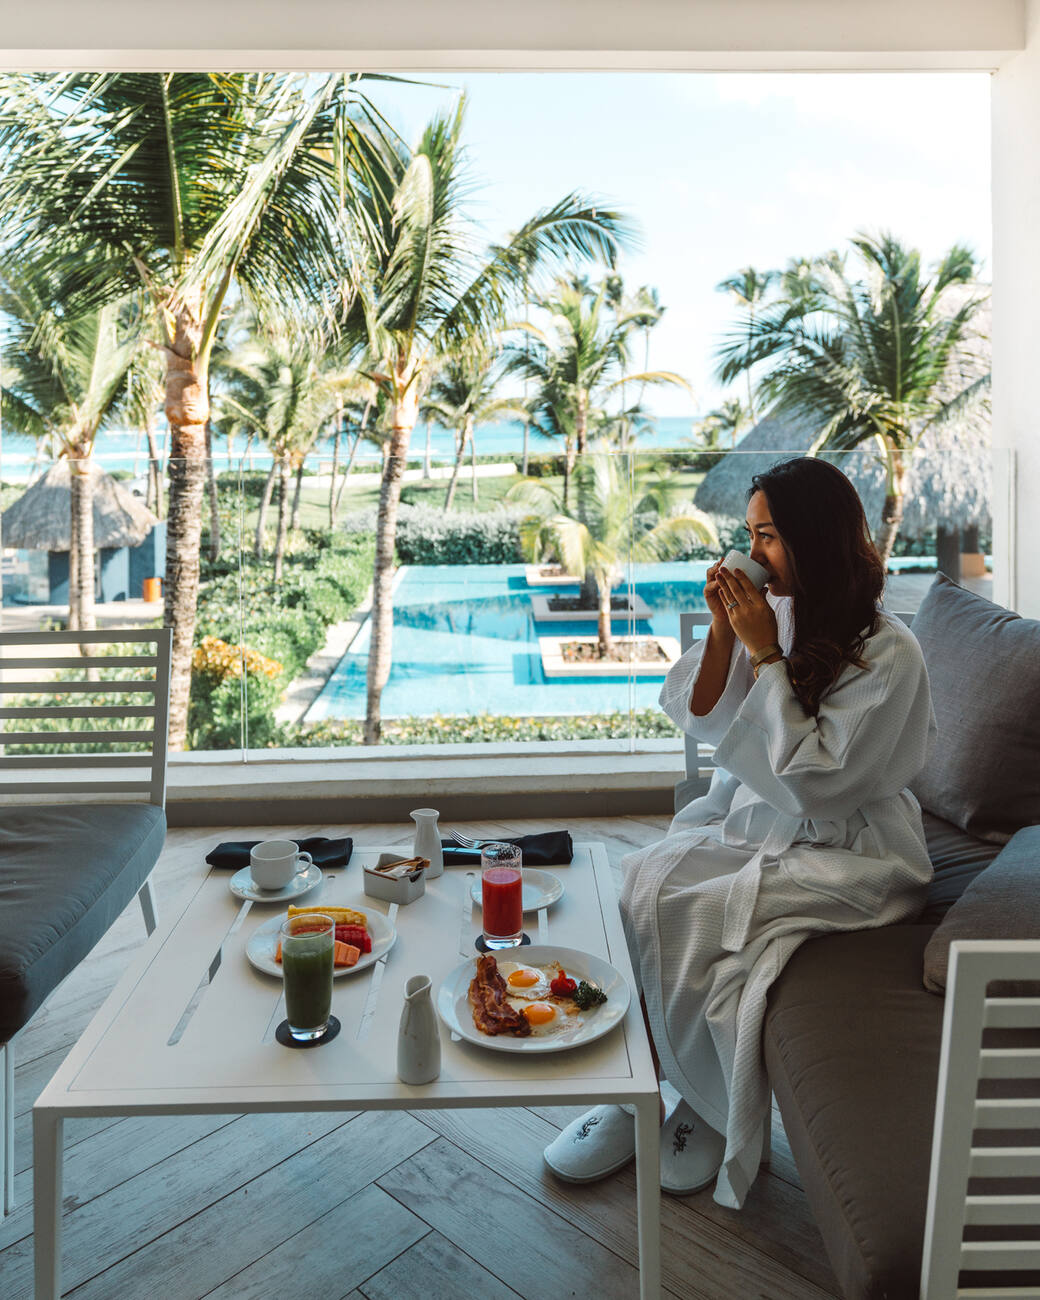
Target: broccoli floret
(586,995)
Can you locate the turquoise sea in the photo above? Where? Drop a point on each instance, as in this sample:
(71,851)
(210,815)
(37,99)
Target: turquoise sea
(20,461)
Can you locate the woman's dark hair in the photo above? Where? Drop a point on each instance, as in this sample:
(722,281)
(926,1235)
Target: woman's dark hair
(836,574)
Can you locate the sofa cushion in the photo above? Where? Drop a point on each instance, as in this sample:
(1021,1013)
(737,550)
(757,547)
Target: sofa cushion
(984,668)
(1003,902)
(65,875)
(851,1042)
(957,858)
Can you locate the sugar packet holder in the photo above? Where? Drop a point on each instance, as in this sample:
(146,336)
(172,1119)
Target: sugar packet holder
(395,879)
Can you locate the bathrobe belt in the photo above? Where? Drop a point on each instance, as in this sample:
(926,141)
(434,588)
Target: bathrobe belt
(743,890)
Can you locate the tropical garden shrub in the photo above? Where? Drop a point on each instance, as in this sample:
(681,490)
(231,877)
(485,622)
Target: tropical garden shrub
(426,535)
(484,728)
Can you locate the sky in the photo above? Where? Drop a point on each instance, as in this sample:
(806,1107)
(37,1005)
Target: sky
(724,170)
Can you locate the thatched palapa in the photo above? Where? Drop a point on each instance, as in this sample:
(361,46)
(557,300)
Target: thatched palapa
(948,484)
(39,519)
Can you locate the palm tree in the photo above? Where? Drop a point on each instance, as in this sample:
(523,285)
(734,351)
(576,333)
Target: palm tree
(463,396)
(729,420)
(581,357)
(425,286)
(613,520)
(65,379)
(286,388)
(881,360)
(185,183)
(749,288)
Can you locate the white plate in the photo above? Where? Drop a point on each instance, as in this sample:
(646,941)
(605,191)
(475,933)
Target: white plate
(242,886)
(263,942)
(540,889)
(454,1008)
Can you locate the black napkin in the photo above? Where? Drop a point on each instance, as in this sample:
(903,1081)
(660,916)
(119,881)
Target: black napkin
(544,850)
(325,853)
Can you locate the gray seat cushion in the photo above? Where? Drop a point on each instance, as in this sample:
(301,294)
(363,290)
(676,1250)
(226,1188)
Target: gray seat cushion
(65,875)
(984,669)
(851,1042)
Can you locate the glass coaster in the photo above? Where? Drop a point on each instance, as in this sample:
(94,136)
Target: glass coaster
(481,946)
(286,1039)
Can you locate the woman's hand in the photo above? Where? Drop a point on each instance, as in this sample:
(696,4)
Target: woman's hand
(715,599)
(750,615)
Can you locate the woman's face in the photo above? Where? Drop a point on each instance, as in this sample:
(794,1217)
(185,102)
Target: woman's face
(766,546)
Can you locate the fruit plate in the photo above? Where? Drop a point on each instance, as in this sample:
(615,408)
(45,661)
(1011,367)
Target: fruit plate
(454,1008)
(541,888)
(263,942)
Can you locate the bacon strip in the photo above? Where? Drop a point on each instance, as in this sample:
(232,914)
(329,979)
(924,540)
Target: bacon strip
(492,1014)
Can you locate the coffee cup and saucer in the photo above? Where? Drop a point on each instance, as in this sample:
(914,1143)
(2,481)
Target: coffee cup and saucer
(278,870)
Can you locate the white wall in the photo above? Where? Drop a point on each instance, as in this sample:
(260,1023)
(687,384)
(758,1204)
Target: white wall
(489,33)
(1016,325)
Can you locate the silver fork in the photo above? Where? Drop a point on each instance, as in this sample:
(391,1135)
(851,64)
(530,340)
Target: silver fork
(466,842)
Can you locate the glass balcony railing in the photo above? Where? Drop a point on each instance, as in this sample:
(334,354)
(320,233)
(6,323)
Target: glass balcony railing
(500,628)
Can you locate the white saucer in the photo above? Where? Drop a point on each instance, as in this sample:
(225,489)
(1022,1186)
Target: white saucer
(242,886)
(540,889)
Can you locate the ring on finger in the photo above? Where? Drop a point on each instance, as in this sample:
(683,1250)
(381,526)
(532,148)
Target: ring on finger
(732,604)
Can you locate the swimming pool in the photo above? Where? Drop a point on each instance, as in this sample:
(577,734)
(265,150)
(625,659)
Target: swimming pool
(465,642)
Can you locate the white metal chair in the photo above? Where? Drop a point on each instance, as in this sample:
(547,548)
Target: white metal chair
(958,1152)
(85,788)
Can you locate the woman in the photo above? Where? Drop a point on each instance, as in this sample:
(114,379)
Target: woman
(818,706)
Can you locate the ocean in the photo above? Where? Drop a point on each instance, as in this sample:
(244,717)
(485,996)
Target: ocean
(20,461)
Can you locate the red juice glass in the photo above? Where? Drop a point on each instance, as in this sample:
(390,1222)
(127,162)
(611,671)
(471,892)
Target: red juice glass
(502,897)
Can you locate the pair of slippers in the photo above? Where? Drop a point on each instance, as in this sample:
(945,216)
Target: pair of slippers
(603,1140)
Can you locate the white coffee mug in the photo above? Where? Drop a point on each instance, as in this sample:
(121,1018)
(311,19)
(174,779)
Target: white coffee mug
(273,863)
(736,560)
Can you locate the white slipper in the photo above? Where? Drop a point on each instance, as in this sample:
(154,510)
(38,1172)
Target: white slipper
(596,1144)
(691,1152)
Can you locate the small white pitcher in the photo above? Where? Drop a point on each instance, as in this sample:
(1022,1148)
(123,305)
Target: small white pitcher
(419,1038)
(427,842)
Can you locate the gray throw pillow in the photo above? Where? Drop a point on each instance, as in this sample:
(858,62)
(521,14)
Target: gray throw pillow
(984,669)
(1002,902)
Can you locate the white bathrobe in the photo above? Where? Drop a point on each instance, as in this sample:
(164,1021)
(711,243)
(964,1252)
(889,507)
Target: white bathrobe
(807,828)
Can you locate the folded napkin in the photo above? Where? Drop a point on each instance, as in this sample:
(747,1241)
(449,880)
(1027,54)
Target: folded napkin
(325,853)
(545,850)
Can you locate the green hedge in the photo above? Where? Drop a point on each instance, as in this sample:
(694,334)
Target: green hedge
(481,728)
(426,535)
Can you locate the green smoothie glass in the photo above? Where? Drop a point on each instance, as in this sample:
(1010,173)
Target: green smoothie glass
(307,945)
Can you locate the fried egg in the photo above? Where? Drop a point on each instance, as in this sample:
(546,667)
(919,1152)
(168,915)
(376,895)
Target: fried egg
(526,982)
(545,1018)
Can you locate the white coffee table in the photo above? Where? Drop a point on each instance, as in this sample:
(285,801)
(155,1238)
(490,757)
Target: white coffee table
(169,1040)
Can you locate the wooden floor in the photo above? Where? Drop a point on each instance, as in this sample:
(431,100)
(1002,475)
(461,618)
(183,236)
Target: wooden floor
(388,1206)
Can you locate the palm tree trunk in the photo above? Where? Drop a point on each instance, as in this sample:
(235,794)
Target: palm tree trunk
(581,424)
(427,463)
(81,553)
(380,647)
(154,499)
(460,449)
(335,464)
(603,629)
(265,502)
(187,411)
(214,500)
(284,477)
(346,473)
(527,434)
(294,525)
(892,509)
(569,460)
(473,458)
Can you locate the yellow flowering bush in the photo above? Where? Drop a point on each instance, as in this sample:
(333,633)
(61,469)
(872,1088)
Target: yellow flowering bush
(222,661)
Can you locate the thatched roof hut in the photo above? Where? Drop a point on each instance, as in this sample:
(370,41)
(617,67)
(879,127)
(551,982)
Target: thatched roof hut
(948,485)
(39,519)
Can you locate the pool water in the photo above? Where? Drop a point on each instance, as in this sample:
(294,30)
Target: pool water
(465,642)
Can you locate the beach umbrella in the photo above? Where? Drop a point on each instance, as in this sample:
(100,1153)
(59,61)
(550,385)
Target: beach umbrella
(948,486)
(39,519)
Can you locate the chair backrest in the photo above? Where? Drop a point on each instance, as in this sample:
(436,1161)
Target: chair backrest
(120,701)
(1009,1079)
(699,761)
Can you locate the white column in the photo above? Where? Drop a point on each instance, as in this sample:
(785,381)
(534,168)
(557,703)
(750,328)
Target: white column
(1016,324)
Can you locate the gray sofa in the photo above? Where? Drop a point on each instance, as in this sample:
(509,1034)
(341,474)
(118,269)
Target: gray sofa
(852,1034)
(68,868)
